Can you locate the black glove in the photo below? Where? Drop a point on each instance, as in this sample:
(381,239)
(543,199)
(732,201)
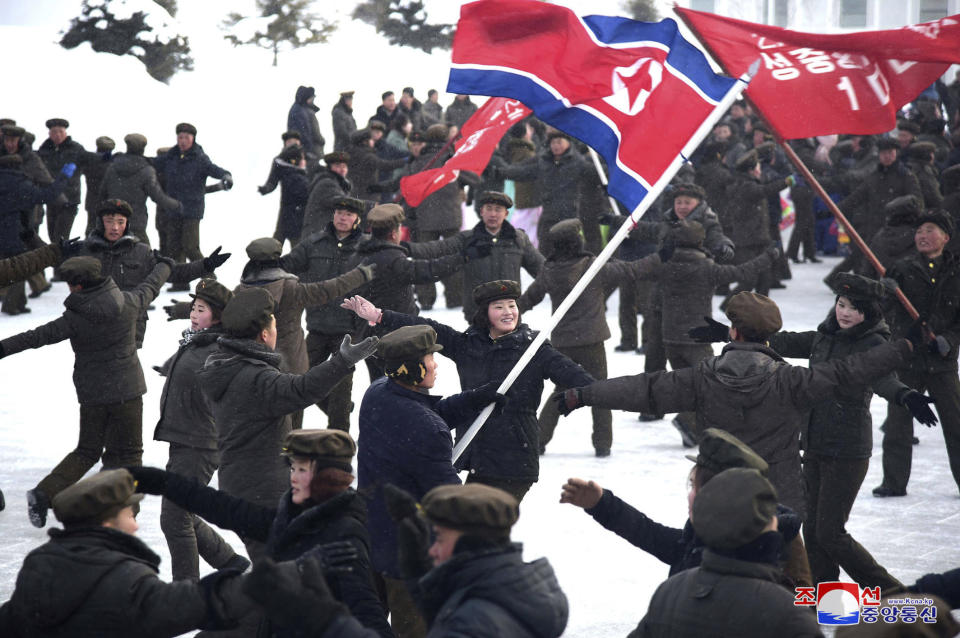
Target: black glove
(413,532)
(262,190)
(353,354)
(481,397)
(335,557)
(919,406)
(723,254)
(666,251)
(477,249)
(774,253)
(293,595)
(70,247)
(890,285)
(712,332)
(163,259)
(2,351)
(939,346)
(27,235)
(214,260)
(149,480)
(227,182)
(568,400)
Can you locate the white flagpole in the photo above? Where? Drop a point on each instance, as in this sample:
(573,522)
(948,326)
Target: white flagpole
(705,127)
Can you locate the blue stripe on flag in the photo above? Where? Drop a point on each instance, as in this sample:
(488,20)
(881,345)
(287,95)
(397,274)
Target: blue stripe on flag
(683,56)
(577,122)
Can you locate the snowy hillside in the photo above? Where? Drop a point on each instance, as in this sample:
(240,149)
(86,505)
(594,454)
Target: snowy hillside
(239,103)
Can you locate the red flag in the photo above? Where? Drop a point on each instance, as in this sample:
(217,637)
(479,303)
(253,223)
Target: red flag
(478,139)
(816,84)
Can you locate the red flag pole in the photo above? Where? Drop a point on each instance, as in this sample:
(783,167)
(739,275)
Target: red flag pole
(798,163)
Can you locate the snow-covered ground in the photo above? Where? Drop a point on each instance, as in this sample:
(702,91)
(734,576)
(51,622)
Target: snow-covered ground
(239,103)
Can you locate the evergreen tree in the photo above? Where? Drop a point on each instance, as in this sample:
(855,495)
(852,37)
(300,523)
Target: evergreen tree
(644,10)
(291,27)
(111,29)
(404,23)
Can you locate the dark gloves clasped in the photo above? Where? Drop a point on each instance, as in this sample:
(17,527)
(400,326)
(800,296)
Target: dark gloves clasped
(712,332)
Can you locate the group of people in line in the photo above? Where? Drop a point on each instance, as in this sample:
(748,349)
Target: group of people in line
(412,551)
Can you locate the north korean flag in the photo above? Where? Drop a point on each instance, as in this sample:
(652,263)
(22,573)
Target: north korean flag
(634,91)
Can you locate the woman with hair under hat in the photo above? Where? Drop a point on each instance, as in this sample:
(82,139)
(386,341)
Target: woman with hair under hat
(320,514)
(188,426)
(506,451)
(838,437)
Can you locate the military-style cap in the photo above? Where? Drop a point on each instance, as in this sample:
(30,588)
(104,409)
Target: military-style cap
(114,207)
(385,216)
(747,161)
(475,509)
(351,204)
(887,143)
(733,508)
(378,125)
(337,157)
(567,231)
(87,500)
(249,309)
(720,450)
(938,217)
(556,133)
(81,270)
(105,143)
(328,448)
(57,121)
(360,136)
(12,161)
(292,153)
(494,290)
(903,209)
(186,127)
(494,197)
(12,130)
(856,287)
(686,233)
(921,150)
(347,93)
(135,142)
(436,133)
(910,127)
(754,312)
(264,249)
(409,343)
(689,189)
(6,121)
(290,135)
(213,292)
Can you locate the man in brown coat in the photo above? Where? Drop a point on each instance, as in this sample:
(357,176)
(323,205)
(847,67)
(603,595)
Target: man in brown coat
(748,390)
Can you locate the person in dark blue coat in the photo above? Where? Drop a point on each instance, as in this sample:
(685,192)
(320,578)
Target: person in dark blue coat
(506,451)
(320,513)
(184,170)
(302,118)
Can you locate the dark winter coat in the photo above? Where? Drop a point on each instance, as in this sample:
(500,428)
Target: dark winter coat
(18,195)
(18,268)
(586,322)
(320,257)
(749,210)
(725,597)
(344,125)
(290,531)
(292,297)
(751,392)
(715,240)
(101,324)
(323,190)
(714,177)
(185,416)
(93,173)
(525,193)
(890,244)
(431,113)
(458,112)
(132,178)
(392,288)
(294,192)
(864,206)
(441,209)
(364,167)
(929,182)
(839,425)
(55,157)
(935,293)
(405,440)
(511,250)
(32,165)
(251,402)
(414,113)
(302,117)
(492,593)
(128,261)
(680,548)
(97,582)
(184,177)
(558,181)
(508,446)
